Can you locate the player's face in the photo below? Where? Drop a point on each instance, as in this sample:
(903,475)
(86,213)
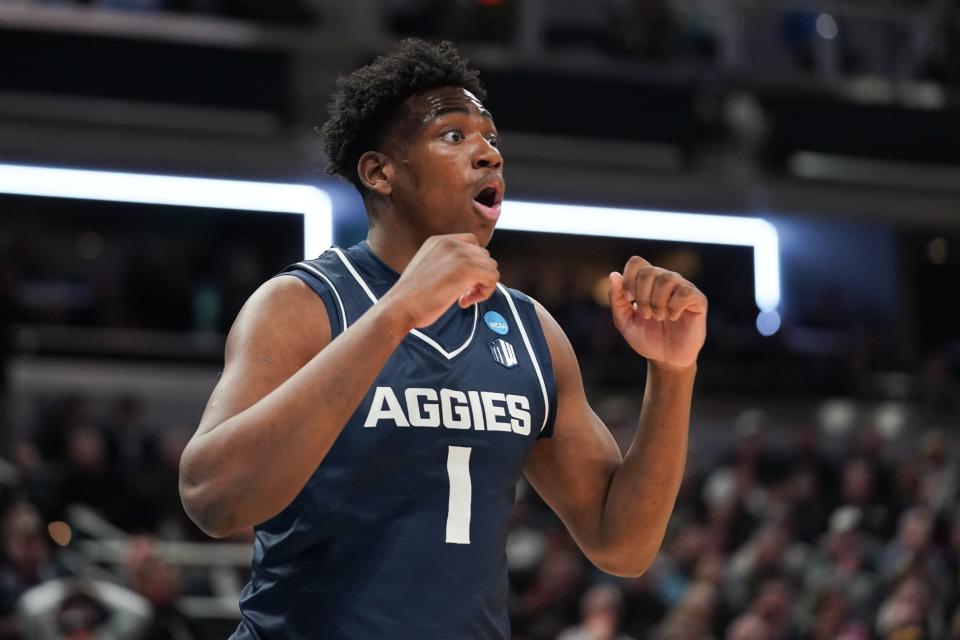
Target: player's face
(450,177)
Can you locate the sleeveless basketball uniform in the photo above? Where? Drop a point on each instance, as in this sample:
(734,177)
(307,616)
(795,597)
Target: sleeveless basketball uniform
(401,531)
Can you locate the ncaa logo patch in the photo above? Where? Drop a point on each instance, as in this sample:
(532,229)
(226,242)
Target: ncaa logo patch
(496,322)
(503,353)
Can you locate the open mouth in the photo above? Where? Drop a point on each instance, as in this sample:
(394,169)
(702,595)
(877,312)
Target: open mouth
(487,197)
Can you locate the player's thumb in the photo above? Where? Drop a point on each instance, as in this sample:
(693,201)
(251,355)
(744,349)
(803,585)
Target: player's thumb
(467,298)
(478,293)
(619,304)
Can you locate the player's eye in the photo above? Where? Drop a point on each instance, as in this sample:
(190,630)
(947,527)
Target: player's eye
(453,136)
(494,141)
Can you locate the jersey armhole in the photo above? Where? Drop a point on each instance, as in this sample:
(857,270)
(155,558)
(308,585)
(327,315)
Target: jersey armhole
(525,305)
(540,344)
(323,291)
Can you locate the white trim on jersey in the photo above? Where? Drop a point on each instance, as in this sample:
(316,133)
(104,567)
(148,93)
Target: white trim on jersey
(319,274)
(449,355)
(533,356)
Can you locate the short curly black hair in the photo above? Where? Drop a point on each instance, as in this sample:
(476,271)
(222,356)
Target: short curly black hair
(365,102)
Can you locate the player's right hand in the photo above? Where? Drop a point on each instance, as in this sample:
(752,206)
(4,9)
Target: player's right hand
(446,269)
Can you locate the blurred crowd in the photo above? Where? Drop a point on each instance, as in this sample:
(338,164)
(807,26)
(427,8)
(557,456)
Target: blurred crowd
(113,462)
(781,532)
(124,472)
(767,542)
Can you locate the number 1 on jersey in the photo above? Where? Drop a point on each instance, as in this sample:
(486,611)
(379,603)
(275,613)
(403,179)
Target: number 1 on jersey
(461,490)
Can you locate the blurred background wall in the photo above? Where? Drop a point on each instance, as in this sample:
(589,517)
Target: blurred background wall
(820,497)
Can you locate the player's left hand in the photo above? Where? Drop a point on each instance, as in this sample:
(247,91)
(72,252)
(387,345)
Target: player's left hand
(661,315)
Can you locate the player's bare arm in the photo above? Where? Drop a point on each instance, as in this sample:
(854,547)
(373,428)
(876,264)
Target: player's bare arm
(617,507)
(287,389)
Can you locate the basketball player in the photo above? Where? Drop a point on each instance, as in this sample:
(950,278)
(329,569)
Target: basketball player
(379,404)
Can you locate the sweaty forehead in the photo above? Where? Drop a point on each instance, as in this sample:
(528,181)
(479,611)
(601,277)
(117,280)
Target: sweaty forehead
(430,104)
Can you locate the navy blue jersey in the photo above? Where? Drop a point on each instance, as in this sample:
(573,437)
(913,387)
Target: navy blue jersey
(401,530)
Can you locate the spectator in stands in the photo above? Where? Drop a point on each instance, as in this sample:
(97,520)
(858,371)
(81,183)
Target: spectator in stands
(692,618)
(858,489)
(87,473)
(172,522)
(907,613)
(913,551)
(763,558)
(551,601)
(601,614)
(748,626)
(845,559)
(939,475)
(806,508)
(133,459)
(26,561)
(773,605)
(78,609)
(56,419)
(160,583)
(831,619)
(643,607)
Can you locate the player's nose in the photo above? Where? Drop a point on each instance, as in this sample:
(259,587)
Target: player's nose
(486,155)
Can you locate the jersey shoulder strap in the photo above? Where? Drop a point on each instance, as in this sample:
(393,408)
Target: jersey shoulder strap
(330,278)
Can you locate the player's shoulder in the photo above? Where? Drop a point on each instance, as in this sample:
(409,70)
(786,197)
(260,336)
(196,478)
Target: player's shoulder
(528,302)
(282,310)
(519,296)
(554,334)
(280,293)
(534,311)
(324,264)
(294,299)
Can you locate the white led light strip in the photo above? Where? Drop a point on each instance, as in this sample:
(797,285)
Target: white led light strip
(659,225)
(310,202)
(315,206)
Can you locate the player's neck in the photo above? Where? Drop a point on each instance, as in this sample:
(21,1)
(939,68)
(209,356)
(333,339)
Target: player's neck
(395,247)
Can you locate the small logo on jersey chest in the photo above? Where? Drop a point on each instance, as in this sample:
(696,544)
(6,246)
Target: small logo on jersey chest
(496,322)
(503,353)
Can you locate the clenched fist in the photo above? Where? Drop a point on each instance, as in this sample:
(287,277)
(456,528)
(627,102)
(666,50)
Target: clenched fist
(446,269)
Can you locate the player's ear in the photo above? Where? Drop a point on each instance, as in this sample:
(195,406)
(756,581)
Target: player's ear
(376,172)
